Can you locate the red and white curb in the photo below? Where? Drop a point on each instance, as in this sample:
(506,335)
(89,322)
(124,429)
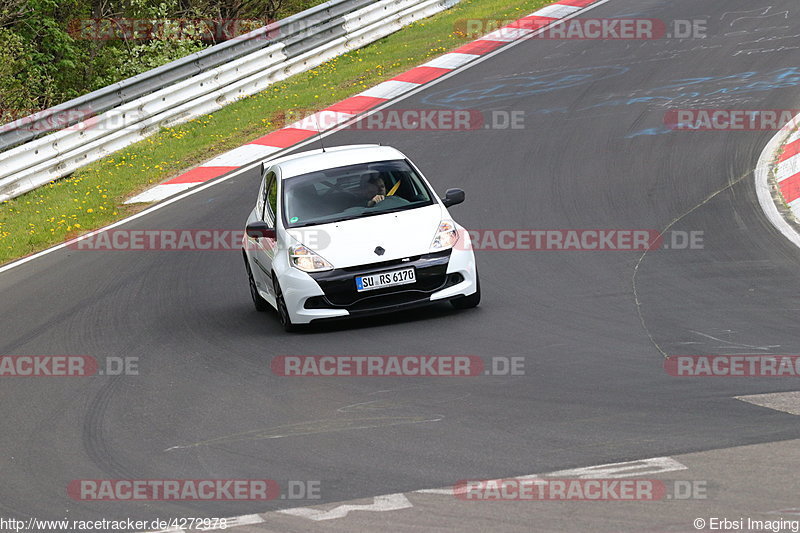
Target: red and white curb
(786,170)
(345,110)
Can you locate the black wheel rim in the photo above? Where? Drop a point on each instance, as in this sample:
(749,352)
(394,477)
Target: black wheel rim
(252,282)
(283,312)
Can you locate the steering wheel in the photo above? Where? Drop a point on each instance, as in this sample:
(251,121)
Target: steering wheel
(390,202)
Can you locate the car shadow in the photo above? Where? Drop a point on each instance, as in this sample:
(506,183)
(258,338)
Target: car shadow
(410,316)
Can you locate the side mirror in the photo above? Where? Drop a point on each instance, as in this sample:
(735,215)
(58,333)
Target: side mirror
(453,197)
(260,229)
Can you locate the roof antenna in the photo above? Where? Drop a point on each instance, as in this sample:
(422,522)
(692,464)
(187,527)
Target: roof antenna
(319,132)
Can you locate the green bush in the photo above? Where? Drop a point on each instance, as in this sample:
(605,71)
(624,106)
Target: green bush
(46,60)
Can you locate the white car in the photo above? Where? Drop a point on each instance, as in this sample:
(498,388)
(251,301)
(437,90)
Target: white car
(351,231)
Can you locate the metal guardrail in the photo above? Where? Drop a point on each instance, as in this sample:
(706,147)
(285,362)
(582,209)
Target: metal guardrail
(320,21)
(201,83)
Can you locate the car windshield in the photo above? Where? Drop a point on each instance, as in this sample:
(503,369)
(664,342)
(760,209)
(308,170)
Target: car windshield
(354,191)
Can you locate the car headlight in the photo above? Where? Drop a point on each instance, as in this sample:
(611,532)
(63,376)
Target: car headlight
(446,236)
(306,260)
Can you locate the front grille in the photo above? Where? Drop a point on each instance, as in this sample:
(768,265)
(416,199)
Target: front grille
(340,288)
(383,300)
(383,265)
(388,300)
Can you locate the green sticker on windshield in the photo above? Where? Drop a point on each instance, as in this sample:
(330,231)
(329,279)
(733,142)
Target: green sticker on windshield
(293,219)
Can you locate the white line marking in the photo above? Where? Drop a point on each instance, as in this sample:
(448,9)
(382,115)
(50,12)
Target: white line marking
(451,60)
(656,465)
(388,502)
(159,192)
(321,120)
(389,89)
(241,155)
(255,164)
(244,520)
(399,501)
(556,11)
(506,34)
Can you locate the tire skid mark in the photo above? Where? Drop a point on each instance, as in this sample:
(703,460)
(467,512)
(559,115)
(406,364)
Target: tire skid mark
(674,221)
(312,427)
(100,452)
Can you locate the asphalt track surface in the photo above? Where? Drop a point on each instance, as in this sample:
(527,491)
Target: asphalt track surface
(592,155)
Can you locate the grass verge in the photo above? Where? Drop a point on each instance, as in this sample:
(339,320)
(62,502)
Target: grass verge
(93,196)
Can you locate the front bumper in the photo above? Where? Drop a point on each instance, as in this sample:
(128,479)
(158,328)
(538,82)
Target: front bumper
(440,276)
(339,287)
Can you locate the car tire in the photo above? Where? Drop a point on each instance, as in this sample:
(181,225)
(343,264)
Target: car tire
(283,311)
(260,303)
(468,302)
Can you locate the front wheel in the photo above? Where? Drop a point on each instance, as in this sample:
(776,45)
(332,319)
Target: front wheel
(468,302)
(283,311)
(260,303)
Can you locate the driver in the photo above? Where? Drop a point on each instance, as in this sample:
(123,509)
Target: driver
(374,190)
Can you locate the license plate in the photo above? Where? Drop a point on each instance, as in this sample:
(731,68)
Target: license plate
(385,279)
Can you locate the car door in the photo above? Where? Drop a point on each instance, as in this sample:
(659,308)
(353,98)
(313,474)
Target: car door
(265,247)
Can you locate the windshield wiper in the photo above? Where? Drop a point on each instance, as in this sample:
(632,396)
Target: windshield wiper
(305,225)
(393,210)
(321,222)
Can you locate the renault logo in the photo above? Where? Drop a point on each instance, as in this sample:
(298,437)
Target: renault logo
(380,251)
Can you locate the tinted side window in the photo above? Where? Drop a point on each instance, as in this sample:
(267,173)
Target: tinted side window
(260,199)
(266,201)
(272,197)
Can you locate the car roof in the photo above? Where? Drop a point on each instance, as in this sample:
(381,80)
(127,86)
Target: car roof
(333,157)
